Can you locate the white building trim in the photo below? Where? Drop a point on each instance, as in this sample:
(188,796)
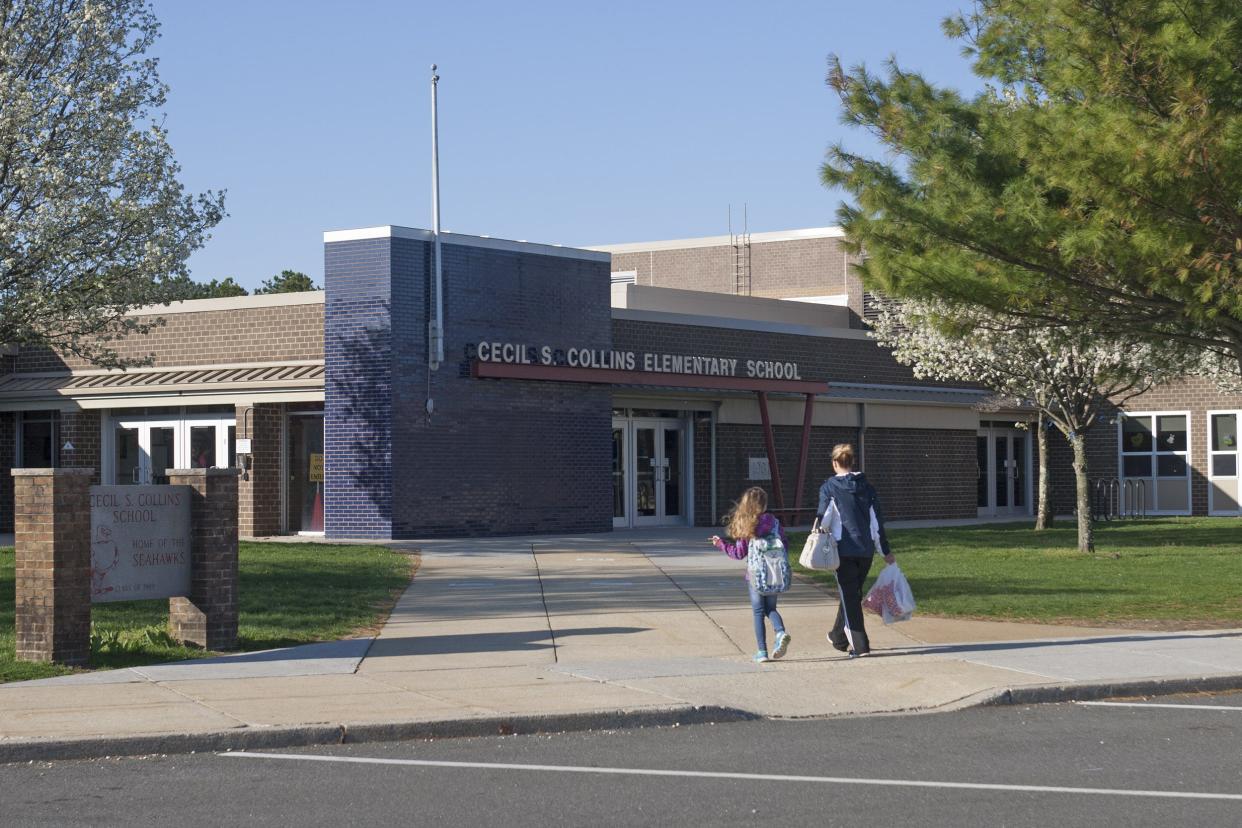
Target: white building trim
(719,241)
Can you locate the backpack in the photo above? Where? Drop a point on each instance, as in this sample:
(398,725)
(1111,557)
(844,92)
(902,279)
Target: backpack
(768,564)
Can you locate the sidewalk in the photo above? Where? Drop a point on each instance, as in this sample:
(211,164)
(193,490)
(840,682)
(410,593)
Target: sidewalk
(512,634)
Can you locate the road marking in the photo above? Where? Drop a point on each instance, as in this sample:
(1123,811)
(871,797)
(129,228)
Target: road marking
(1175,706)
(755,777)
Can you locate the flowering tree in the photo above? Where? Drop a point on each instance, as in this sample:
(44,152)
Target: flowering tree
(93,220)
(1093,182)
(1070,375)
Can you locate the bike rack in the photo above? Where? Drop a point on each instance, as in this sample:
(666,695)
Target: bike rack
(1114,499)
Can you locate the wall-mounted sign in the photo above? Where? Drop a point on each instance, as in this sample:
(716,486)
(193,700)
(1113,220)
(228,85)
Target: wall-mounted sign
(242,445)
(140,542)
(699,364)
(315,473)
(759,469)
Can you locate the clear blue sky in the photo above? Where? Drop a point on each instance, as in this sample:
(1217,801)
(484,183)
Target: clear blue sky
(565,122)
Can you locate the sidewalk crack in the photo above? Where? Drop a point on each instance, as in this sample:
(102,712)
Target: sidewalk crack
(683,591)
(543,599)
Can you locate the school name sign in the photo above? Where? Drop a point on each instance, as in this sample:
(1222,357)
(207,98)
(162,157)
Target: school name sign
(515,353)
(140,542)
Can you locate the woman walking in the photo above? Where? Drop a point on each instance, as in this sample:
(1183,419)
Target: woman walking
(850,509)
(750,521)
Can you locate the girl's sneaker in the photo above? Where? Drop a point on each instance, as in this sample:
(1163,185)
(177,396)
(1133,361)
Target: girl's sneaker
(782,645)
(761,657)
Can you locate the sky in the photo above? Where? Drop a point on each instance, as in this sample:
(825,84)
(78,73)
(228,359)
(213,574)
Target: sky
(576,123)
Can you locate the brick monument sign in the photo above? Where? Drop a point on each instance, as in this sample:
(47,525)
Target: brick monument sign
(177,541)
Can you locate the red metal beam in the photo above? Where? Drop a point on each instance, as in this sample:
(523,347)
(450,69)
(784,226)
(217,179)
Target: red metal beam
(609,376)
(770,442)
(804,454)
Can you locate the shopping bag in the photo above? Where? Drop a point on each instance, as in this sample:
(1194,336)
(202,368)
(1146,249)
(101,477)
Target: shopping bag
(820,550)
(890,597)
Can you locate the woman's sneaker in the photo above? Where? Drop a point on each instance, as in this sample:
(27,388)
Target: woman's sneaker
(782,645)
(761,657)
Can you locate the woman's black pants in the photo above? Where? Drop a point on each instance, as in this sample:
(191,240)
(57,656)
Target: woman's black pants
(849,632)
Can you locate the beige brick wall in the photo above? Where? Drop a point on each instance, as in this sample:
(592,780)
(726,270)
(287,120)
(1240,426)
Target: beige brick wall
(779,270)
(262,334)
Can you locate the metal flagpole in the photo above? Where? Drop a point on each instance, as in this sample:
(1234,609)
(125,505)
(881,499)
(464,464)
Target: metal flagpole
(435,332)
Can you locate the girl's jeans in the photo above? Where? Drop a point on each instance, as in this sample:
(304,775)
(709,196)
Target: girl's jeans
(765,606)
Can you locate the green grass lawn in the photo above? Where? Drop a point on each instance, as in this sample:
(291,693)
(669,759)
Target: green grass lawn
(291,593)
(1160,572)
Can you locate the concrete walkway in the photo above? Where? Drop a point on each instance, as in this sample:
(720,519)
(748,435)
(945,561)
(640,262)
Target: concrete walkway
(625,623)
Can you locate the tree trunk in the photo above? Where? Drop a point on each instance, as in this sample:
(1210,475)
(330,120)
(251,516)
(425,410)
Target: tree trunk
(1043,509)
(1086,536)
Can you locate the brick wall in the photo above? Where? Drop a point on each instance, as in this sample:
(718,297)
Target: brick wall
(82,428)
(258,497)
(818,358)
(358,384)
(263,334)
(496,456)
(923,474)
(798,267)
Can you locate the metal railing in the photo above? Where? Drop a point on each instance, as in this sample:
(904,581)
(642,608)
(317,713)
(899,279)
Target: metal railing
(1113,499)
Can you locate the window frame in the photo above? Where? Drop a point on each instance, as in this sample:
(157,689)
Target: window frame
(1154,453)
(1212,453)
(52,415)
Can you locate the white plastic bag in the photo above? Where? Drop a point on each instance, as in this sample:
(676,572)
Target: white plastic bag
(890,597)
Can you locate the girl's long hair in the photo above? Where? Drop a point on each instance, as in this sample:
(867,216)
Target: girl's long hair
(742,520)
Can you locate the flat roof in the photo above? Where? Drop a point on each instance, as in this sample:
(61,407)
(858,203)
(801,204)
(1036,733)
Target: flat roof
(264,300)
(392,231)
(718,241)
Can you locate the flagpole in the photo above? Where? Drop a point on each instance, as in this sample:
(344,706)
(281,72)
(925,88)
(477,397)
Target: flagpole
(435,355)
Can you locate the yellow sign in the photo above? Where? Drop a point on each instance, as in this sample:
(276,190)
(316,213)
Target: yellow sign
(315,475)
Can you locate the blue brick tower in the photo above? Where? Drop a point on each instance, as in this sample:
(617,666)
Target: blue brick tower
(496,456)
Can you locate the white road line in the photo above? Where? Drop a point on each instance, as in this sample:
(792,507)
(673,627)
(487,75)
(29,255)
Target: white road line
(1175,706)
(759,777)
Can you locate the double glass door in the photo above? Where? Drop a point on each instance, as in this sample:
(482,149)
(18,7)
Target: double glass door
(648,472)
(143,450)
(1003,472)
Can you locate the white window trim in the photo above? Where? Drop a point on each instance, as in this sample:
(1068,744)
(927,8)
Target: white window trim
(1154,454)
(180,422)
(1211,471)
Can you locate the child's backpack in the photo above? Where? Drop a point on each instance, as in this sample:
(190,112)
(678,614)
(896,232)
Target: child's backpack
(768,563)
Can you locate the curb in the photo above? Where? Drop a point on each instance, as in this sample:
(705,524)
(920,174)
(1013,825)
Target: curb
(1092,691)
(268,738)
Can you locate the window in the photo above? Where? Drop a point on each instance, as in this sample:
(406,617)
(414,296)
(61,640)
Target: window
(1224,461)
(1156,447)
(38,440)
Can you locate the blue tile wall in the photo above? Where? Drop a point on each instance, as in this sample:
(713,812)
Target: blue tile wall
(496,456)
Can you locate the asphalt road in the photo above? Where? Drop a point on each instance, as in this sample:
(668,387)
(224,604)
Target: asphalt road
(1064,765)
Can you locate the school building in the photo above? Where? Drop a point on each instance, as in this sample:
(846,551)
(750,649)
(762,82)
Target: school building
(582,390)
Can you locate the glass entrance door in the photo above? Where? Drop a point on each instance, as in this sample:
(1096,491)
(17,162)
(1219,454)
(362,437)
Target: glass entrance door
(1003,472)
(144,452)
(306,474)
(648,472)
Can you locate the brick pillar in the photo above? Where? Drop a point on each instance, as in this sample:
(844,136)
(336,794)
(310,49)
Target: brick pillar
(52,512)
(259,496)
(208,618)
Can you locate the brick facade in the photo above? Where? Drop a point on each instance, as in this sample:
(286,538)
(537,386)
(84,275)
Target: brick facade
(258,491)
(208,617)
(394,471)
(53,565)
(274,333)
(778,269)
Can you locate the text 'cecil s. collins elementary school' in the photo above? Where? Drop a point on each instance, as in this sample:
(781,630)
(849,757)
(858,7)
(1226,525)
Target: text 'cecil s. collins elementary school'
(525,354)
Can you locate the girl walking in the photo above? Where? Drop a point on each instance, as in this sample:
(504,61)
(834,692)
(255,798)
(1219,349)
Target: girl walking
(750,521)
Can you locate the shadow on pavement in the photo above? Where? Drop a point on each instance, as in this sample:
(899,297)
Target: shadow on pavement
(946,649)
(524,641)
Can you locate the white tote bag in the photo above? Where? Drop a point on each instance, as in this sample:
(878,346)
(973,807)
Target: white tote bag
(820,549)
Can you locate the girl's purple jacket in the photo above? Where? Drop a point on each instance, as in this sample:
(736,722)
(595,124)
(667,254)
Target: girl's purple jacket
(738,548)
